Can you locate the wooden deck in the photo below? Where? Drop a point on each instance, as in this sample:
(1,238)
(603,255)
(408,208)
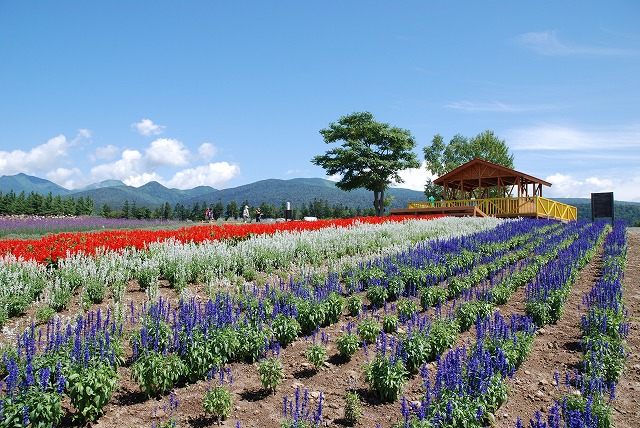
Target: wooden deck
(531,206)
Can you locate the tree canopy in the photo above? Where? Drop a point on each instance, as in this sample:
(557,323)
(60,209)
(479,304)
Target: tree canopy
(371,156)
(441,158)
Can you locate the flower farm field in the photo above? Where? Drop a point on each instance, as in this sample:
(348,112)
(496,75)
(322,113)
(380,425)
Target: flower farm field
(392,322)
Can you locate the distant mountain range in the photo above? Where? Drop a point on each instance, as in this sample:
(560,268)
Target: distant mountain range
(153,194)
(272,191)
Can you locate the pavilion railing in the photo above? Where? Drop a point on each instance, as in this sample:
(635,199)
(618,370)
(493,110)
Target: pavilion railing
(510,207)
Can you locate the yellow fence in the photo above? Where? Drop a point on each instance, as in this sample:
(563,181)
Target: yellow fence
(532,206)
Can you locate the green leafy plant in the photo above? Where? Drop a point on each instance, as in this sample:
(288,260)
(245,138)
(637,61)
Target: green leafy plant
(156,373)
(333,308)
(44,409)
(385,377)
(253,342)
(599,409)
(44,314)
(354,305)
(432,296)
(285,330)
(377,295)
(406,307)
(147,275)
(271,373)
(199,357)
(218,401)
(442,335)
(390,323)
(317,355)
(457,285)
(468,312)
(310,315)
(369,329)
(95,290)
(90,389)
(348,344)
(417,349)
(352,408)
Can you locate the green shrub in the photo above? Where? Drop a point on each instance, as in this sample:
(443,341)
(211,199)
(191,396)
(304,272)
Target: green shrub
(90,389)
(156,373)
(218,402)
(385,377)
(285,330)
(390,323)
(432,296)
(406,308)
(369,329)
(271,373)
(352,408)
(348,344)
(45,409)
(310,315)
(377,295)
(317,355)
(354,305)
(44,314)
(417,348)
(333,308)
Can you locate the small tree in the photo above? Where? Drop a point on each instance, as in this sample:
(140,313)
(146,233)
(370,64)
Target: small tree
(371,156)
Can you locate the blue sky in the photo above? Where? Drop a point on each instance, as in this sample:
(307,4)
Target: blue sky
(227,93)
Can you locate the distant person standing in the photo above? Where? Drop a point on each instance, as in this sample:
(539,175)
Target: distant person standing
(258,214)
(431,200)
(245,214)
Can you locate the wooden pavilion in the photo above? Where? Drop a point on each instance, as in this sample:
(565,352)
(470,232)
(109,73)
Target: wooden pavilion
(481,188)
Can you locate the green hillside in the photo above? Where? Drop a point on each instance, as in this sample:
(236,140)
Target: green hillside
(27,184)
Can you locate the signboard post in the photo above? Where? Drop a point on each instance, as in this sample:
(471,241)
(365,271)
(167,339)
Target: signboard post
(602,205)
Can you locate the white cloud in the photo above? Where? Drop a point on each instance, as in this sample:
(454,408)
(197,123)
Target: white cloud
(65,177)
(141,179)
(415,178)
(128,166)
(547,43)
(82,134)
(36,160)
(570,186)
(166,152)
(214,175)
(104,153)
(146,127)
(207,151)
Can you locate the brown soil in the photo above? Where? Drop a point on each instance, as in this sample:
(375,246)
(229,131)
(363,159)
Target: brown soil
(556,349)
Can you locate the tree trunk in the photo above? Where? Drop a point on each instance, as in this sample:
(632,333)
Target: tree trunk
(378,198)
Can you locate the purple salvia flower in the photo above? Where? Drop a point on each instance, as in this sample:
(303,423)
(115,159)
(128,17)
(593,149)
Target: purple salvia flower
(25,416)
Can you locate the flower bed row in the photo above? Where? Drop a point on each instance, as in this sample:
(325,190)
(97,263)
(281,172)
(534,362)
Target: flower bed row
(53,247)
(605,327)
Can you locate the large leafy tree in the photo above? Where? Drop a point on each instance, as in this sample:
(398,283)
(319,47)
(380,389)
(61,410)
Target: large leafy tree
(371,155)
(440,158)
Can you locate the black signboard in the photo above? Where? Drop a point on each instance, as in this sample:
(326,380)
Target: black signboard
(601,205)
